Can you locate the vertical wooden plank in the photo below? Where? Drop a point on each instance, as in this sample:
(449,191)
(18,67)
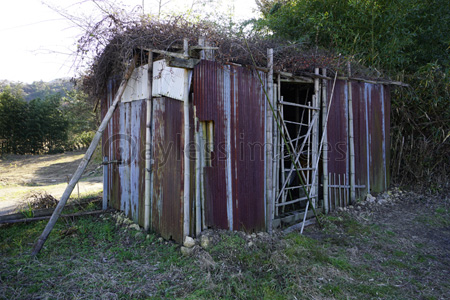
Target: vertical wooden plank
(269,145)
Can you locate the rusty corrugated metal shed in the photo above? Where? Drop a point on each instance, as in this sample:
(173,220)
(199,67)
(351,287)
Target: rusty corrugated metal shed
(233,98)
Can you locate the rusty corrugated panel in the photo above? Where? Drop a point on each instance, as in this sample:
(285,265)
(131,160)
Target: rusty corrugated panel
(129,148)
(376,137)
(168,179)
(209,102)
(248,148)
(337,132)
(124,140)
(233,98)
(371,104)
(360,136)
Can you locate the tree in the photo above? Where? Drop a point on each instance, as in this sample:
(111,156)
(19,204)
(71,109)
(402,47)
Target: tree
(82,119)
(393,35)
(32,127)
(12,120)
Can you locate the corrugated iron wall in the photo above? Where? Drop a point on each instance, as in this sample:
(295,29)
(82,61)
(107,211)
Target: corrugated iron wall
(168,168)
(371,123)
(124,142)
(337,132)
(233,98)
(233,186)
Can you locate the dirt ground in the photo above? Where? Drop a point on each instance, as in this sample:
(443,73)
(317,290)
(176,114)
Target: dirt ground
(409,239)
(22,175)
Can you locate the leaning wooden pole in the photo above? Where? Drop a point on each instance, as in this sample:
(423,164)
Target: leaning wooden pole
(84,162)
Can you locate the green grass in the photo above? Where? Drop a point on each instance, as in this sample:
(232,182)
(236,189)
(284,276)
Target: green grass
(439,218)
(93,257)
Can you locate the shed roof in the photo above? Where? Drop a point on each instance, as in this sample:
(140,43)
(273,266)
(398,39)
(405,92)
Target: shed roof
(290,58)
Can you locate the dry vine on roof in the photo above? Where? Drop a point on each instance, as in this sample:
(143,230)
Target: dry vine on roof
(120,40)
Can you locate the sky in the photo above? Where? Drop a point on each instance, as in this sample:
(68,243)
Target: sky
(38,43)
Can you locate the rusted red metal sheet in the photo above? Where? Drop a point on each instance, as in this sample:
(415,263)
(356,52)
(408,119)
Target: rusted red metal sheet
(337,133)
(209,103)
(232,97)
(167,169)
(247,149)
(337,129)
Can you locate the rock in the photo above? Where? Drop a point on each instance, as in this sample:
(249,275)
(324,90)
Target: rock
(370,198)
(253,235)
(138,235)
(134,226)
(250,244)
(127,221)
(206,260)
(340,209)
(148,236)
(187,251)
(350,207)
(353,251)
(160,240)
(189,242)
(205,241)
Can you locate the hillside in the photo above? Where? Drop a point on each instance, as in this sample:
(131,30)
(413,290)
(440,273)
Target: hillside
(39,89)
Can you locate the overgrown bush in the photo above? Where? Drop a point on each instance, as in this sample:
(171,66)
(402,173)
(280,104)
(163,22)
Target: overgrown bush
(420,134)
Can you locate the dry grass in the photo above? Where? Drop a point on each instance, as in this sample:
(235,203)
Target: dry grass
(22,176)
(398,250)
